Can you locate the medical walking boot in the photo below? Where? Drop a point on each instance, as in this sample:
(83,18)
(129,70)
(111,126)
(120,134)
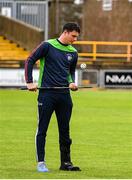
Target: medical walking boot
(65,157)
(68,166)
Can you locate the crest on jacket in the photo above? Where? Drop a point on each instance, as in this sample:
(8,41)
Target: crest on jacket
(69,57)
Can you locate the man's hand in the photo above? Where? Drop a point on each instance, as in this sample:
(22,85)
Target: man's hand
(73,87)
(32,86)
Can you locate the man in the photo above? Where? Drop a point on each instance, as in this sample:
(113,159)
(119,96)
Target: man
(58,61)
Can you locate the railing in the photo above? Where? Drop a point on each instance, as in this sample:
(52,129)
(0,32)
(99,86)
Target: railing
(95,54)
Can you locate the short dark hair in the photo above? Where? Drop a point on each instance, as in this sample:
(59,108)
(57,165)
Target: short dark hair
(71,27)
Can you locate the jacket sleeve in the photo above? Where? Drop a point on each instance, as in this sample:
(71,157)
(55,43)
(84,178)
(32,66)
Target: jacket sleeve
(39,52)
(73,68)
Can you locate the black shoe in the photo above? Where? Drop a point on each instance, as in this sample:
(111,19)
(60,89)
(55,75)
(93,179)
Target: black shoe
(68,166)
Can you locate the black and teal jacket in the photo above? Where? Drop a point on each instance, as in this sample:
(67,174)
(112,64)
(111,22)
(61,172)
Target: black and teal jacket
(57,64)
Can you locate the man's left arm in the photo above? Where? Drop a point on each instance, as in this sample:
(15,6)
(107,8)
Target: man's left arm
(72,84)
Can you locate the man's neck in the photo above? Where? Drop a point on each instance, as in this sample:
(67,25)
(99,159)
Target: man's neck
(64,44)
(62,40)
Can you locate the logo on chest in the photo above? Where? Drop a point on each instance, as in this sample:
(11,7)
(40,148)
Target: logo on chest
(69,57)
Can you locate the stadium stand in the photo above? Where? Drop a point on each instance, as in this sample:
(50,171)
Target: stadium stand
(11,54)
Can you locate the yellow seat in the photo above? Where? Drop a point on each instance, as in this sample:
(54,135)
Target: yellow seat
(11,54)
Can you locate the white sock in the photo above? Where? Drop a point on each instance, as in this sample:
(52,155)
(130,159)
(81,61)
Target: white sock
(41,162)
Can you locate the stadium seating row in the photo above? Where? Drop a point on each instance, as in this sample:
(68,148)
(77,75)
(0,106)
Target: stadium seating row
(11,54)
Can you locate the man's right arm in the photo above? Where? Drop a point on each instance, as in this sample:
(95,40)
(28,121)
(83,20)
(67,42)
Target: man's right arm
(36,54)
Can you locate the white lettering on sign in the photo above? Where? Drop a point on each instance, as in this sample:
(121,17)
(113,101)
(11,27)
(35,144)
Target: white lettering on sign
(117,79)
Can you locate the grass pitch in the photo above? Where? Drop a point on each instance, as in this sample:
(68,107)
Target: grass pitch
(101,130)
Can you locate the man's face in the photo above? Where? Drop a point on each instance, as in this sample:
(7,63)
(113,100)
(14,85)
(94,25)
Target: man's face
(70,37)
